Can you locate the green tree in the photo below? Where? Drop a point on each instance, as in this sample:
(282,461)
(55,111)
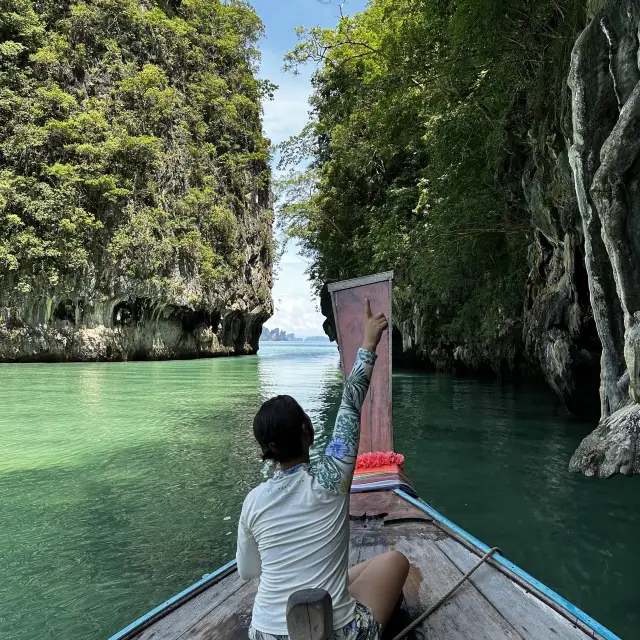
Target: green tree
(423,115)
(131,144)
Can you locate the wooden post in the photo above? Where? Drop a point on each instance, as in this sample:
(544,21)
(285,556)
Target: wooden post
(347,298)
(310,615)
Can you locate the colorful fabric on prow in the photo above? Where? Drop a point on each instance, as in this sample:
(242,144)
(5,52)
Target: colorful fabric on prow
(379,459)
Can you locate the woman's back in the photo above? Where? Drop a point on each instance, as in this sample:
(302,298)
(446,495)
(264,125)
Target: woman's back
(301,531)
(294,529)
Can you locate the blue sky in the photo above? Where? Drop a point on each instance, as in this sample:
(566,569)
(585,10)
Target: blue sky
(296,307)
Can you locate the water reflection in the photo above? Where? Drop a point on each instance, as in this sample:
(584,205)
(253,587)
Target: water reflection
(308,373)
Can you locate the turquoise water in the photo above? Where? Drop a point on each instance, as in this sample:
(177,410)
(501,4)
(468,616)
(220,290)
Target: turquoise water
(120,484)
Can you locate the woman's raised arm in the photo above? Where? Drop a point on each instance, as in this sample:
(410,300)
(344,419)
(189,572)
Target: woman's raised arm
(335,470)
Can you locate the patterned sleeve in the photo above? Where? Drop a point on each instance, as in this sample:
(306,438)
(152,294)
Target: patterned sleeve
(334,471)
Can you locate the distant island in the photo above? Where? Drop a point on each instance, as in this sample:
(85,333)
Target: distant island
(279,335)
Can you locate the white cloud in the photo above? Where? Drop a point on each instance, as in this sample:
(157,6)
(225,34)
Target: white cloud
(287,114)
(296,308)
(295,305)
(298,315)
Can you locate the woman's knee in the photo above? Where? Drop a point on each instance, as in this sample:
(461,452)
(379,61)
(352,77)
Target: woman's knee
(400,561)
(391,563)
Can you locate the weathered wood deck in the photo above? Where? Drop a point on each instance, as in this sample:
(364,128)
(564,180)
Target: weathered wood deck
(492,605)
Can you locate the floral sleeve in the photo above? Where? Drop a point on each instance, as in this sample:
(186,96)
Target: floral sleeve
(334,471)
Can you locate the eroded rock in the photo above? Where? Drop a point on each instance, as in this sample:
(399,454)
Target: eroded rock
(612,448)
(558,329)
(605,158)
(114,318)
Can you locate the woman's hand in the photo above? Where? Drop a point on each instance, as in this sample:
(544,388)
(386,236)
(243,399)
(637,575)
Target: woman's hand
(374,327)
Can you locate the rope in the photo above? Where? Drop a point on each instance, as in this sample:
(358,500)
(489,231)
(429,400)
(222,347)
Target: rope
(420,619)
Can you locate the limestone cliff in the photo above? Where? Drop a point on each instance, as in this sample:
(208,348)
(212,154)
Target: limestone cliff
(559,333)
(135,212)
(522,131)
(605,157)
(102,317)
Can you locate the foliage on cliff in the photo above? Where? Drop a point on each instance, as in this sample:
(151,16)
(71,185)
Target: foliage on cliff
(423,114)
(130,141)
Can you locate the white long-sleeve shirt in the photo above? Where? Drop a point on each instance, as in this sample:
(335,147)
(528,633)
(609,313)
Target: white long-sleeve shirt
(294,528)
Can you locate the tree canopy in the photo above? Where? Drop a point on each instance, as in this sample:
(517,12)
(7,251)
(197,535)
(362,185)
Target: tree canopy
(131,142)
(422,117)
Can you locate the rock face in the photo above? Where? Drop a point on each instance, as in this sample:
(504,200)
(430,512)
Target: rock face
(605,158)
(556,337)
(135,202)
(578,175)
(559,333)
(112,318)
(501,357)
(120,320)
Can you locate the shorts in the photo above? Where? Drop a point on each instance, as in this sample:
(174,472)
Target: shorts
(362,627)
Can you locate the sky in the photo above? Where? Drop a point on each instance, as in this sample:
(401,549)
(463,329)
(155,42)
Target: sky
(296,308)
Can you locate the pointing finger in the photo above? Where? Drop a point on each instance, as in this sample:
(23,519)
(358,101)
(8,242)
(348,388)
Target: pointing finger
(367,308)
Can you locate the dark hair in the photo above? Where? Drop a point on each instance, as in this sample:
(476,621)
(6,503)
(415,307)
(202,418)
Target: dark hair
(278,428)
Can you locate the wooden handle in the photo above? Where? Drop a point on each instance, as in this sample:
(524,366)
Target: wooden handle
(310,615)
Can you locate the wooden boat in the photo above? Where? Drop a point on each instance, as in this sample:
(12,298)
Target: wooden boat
(498,601)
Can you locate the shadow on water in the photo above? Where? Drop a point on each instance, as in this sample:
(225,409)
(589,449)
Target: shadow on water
(87,548)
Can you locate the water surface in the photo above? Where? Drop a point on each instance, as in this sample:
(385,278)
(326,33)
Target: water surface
(121,484)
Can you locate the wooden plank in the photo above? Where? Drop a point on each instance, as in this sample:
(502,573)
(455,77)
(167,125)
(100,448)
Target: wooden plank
(367,540)
(413,604)
(348,307)
(371,540)
(488,607)
(467,614)
(230,620)
(374,545)
(386,505)
(379,538)
(590,627)
(532,618)
(177,622)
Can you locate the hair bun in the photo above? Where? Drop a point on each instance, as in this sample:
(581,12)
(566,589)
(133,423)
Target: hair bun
(271,452)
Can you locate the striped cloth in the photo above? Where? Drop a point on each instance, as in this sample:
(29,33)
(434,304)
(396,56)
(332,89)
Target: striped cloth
(383,478)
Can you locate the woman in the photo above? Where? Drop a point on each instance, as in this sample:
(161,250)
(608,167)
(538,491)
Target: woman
(294,528)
